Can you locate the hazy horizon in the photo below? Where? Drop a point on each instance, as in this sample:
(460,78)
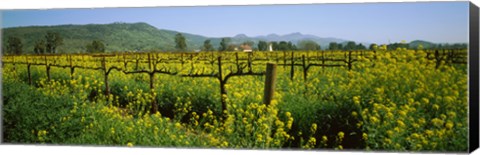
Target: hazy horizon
(438,22)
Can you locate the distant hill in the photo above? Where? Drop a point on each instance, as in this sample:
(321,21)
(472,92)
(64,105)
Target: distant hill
(292,37)
(116,36)
(414,44)
(144,37)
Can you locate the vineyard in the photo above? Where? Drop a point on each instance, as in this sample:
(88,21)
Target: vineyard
(403,100)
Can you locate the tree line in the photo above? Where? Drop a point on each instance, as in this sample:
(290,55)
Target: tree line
(52,40)
(308,45)
(48,45)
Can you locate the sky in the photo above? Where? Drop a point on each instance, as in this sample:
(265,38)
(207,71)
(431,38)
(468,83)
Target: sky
(439,22)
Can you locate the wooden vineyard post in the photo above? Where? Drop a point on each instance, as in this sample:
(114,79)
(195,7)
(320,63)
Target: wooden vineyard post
(223,91)
(276,57)
(29,74)
(349,60)
(191,61)
(236,61)
(345,58)
(292,71)
(250,61)
(438,59)
(105,72)
(47,67)
(304,65)
(284,59)
(13,60)
(72,69)
(28,70)
(450,56)
(149,62)
(154,108)
(323,59)
(124,62)
(308,61)
(181,59)
(136,62)
(270,77)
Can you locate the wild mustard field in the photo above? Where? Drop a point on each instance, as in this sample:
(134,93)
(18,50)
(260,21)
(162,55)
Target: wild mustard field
(390,100)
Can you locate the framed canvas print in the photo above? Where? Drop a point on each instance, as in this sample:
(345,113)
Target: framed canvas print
(334,77)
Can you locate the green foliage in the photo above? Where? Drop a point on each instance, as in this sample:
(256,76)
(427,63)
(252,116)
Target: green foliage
(224,44)
(285,46)
(308,45)
(180,43)
(14,45)
(28,114)
(207,46)
(274,45)
(39,47)
(373,47)
(119,36)
(96,46)
(144,37)
(367,107)
(53,40)
(395,46)
(262,46)
(361,47)
(426,45)
(351,45)
(333,46)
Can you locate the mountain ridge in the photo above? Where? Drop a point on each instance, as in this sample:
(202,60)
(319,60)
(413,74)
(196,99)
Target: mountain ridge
(139,36)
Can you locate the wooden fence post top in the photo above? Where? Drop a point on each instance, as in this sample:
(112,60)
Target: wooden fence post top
(270,76)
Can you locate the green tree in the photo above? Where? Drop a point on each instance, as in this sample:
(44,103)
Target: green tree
(96,46)
(14,45)
(262,46)
(351,45)
(207,46)
(274,45)
(308,45)
(395,46)
(39,47)
(361,47)
(224,44)
(283,46)
(373,46)
(180,42)
(291,46)
(53,40)
(333,46)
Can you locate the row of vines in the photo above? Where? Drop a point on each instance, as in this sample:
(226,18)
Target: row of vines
(380,100)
